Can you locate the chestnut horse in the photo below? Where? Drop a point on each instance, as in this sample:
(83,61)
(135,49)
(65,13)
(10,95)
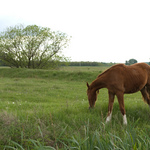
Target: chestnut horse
(119,80)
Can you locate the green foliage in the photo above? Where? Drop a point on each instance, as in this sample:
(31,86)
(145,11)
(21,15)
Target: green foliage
(131,61)
(32,46)
(48,109)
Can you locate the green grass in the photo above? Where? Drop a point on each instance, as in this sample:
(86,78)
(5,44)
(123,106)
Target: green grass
(48,109)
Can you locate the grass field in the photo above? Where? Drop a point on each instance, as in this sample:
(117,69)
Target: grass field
(48,109)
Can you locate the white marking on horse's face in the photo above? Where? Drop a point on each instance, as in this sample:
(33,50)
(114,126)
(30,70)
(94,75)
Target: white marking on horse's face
(108,119)
(124,119)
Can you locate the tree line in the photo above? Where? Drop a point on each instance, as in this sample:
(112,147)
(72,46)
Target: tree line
(66,63)
(89,63)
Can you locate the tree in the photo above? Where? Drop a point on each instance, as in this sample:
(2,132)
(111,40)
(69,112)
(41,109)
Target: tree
(131,61)
(32,46)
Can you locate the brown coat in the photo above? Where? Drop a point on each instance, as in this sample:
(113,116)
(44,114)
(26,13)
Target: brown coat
(119,80)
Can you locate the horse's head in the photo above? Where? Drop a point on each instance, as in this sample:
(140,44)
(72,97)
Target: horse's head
(92,96)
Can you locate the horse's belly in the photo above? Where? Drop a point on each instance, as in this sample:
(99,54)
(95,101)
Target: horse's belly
(129,91)
(135,82)
(133,88)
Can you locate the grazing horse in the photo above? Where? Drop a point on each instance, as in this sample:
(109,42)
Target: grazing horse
(119,80)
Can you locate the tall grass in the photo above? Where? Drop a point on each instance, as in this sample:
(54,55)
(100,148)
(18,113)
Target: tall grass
(48,109)
(132,139)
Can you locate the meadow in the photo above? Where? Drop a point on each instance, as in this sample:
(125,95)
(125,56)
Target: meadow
(48,109)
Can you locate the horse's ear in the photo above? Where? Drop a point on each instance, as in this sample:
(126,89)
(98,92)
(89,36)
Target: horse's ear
(87,85)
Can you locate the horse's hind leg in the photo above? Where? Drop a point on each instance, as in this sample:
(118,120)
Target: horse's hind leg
(110,106)
(146,94)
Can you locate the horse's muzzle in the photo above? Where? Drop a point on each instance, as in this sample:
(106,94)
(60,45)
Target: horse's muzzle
(91,107)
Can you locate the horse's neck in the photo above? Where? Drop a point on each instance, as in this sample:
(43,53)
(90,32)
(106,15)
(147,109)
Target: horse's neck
(98,83)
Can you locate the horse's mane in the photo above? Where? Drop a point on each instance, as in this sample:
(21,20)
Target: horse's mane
(115,66)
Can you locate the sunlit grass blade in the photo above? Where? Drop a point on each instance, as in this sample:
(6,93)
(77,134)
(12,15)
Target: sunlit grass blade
(15,145)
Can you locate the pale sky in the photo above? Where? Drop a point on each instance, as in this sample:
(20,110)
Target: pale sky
(101,30)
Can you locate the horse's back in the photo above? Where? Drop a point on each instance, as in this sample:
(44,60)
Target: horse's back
(136,77)
(141,70)
(140,65)
(138,68)
(123,72)
(128,79)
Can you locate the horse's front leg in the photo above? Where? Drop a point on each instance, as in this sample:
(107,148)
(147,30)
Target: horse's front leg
(110,106)
(121,105)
